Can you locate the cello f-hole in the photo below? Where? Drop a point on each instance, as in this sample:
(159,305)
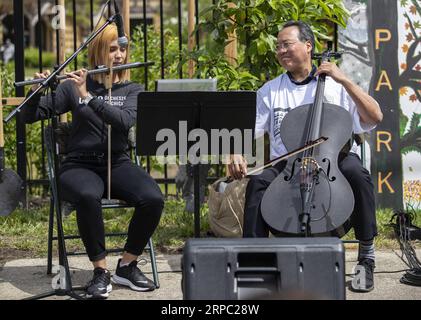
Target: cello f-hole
(286,178)
(333,178)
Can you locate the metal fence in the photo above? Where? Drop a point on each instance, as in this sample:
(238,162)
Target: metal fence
(144,20)
(175,12)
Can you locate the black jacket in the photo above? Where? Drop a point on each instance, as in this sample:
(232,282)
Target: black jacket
(89,123)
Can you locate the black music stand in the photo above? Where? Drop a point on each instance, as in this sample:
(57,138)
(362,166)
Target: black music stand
(201,110)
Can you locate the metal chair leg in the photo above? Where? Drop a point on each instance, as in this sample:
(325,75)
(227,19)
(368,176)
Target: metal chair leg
(153,263)
(50,238)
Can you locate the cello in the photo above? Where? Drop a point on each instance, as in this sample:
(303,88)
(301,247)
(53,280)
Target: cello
(311,197)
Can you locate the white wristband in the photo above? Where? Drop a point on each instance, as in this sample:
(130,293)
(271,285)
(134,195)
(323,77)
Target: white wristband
(87,99)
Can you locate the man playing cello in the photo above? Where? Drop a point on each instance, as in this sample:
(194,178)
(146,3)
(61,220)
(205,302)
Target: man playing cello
(297,87)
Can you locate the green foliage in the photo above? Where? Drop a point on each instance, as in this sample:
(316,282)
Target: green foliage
(32,58)
(33,132)
(177,225)
(171,64)
(210,64)
(415,122)
(82,61)
(27,229)
(402,123)
(411,140)
(411,137)
(257,24)
(171,56)
(214,65)
(7,79)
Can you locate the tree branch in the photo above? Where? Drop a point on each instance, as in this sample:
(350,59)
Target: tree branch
(411,61)
(358,44)
(414,85)
(411,26)
(356,53)
(358,57)
(362,47)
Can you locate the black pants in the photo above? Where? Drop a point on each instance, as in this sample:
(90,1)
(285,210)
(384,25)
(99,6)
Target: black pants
(363,218)
(84,183)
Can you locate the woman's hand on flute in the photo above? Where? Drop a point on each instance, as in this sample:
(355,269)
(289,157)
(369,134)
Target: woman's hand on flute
(42,75)
(79,79)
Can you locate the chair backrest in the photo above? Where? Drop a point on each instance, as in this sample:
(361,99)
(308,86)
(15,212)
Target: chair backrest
(185,85)
(62,133)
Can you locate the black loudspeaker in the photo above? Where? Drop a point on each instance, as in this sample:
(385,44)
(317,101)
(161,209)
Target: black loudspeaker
(263,268)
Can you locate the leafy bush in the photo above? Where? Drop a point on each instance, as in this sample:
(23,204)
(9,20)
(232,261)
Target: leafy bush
(171,64)
(33,132)
(171,56)
(257,24)
(7,79)
(32,60)
(27,229)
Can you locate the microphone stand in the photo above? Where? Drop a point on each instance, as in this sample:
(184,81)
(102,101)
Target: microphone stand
(66,288)
(65,281)
(57,71)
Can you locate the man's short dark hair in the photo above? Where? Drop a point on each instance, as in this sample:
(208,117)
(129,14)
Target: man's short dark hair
(306,34)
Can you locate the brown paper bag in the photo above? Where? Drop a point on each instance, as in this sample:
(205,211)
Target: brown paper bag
(226,209)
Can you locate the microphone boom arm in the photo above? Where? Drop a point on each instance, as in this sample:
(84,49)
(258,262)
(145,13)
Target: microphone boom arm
(45,83)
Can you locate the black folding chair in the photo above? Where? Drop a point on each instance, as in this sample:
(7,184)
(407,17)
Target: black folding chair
(61,134)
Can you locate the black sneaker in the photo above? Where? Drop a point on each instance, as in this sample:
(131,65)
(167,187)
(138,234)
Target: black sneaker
(364,276)
(132,277)
(100,285)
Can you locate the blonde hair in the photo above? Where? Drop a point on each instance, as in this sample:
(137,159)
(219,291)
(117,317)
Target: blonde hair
(98,52)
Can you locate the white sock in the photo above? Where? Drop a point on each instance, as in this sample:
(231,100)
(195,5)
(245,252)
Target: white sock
(121,264)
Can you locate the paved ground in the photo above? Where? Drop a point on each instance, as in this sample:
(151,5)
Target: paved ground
(26,277)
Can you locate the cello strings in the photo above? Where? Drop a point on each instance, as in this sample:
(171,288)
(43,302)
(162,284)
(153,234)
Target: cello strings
(308,154)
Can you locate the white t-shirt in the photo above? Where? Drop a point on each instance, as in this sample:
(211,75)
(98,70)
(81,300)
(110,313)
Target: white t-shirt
(278,96)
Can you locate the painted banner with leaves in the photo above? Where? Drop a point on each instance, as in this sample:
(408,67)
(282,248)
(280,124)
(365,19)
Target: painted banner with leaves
(409,56)
(382,45)
(384,87)
(396,83)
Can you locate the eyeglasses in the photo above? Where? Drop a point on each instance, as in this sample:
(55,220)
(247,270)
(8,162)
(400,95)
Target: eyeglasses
(285,45)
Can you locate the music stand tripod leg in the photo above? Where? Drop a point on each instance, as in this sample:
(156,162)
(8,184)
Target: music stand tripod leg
(66,288)
(196,178)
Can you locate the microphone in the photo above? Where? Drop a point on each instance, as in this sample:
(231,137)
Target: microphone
(122,39)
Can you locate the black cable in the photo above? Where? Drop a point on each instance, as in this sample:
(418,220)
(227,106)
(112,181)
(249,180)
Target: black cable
(330,197)
(102,13)
(380,272)
(412,277)
(402,228)
(397,271)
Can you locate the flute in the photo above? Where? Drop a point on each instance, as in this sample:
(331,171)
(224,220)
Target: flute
(99,69)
